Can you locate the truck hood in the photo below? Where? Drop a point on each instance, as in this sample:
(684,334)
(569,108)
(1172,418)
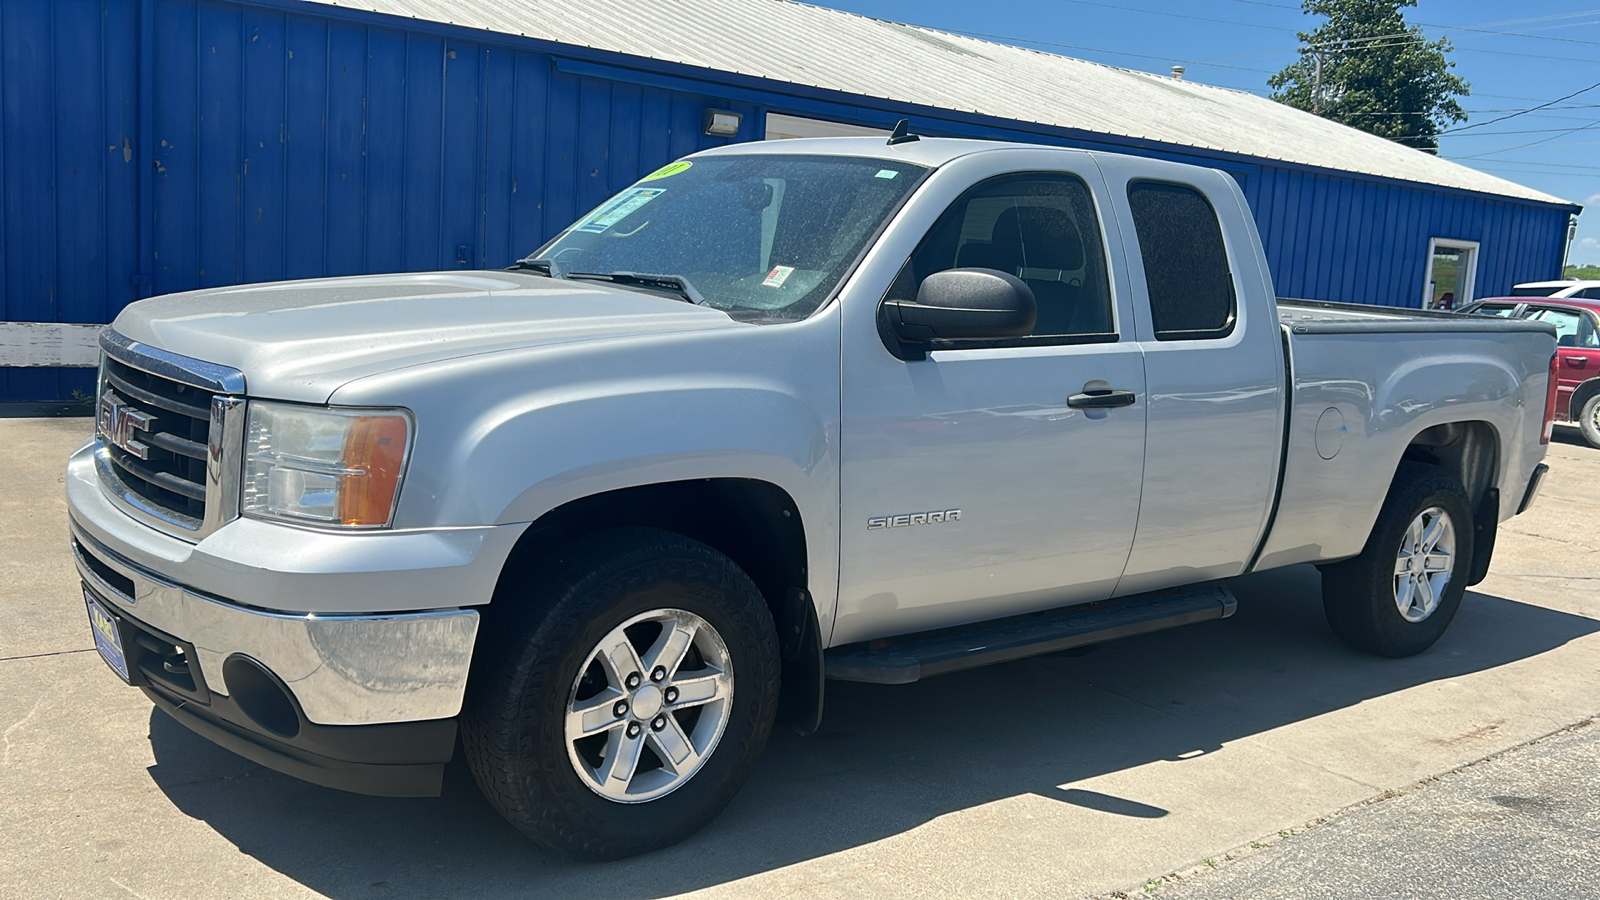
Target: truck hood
(302,340)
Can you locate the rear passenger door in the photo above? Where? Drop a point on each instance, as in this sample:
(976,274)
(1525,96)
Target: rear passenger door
(1214,373)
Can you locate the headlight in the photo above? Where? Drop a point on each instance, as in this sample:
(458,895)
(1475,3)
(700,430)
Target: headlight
(313,464)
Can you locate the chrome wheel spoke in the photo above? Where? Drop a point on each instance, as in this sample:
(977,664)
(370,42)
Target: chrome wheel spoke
(1404,592)
(702,689)
(618,658)
(1426,598)
(1436,562)
(1432,534)
(622,759)
(671,647)
(677,752)
(595,715)
(1402,565)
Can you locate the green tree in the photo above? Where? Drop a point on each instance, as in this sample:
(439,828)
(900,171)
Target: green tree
(1366,68)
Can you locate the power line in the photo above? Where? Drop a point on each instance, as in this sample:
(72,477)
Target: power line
(1594,124)
(1524,112)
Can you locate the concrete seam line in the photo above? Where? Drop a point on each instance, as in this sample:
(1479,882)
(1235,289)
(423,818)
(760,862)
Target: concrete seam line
(1212,863)
(43,655)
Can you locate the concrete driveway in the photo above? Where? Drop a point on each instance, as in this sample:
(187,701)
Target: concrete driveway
(1069,775)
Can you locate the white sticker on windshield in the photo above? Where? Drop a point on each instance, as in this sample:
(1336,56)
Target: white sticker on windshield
(886,173)
(618,208)
(778,276)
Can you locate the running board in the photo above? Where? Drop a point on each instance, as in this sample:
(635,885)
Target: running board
(916,656)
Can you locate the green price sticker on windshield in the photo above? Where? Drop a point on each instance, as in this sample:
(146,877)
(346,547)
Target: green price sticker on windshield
(668,170)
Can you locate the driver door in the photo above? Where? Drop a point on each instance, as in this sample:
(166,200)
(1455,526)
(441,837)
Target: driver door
(971,489)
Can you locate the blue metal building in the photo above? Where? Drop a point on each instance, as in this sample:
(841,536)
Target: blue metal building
(152,146)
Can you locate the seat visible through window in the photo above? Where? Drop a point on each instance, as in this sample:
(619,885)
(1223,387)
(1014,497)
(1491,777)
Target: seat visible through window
(1040,228)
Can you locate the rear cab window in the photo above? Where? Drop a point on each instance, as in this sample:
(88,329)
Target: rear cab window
(1187,276)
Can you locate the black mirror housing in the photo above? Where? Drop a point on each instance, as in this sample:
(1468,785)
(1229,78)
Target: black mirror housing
(964,304)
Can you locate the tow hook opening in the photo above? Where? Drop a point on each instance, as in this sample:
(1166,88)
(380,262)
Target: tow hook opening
(260,695)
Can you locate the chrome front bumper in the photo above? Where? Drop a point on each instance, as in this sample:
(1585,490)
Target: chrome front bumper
(343,670)
(361,629)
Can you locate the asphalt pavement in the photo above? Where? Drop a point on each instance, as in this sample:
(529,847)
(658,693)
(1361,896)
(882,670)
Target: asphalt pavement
(1525,823)
(1077,774)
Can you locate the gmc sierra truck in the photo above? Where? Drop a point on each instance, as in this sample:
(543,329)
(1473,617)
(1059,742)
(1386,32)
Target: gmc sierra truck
(776,414)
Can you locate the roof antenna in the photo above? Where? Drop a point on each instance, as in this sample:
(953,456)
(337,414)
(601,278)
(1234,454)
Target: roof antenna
(902,133)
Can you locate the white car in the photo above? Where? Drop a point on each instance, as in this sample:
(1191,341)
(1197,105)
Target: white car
(1584,290)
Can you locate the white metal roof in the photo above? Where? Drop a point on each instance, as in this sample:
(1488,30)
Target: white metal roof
(809,45)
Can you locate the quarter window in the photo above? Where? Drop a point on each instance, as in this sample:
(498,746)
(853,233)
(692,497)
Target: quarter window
(1185,262)
(1038,227)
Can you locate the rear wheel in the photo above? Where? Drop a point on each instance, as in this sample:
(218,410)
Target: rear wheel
(629,706)
(1589,420)
(1398,597)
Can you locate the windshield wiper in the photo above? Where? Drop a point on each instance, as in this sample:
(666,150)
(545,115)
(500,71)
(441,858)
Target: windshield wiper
(546,266)
(675,283)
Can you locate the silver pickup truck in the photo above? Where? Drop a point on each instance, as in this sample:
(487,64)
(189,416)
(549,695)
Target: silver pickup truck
(778,413)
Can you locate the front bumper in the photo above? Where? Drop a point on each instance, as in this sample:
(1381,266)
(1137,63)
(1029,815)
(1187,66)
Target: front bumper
(268,685)
(377,632)
(262,721)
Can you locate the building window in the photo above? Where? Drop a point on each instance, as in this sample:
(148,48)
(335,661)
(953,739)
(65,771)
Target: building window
(1452,269)
(1186,269)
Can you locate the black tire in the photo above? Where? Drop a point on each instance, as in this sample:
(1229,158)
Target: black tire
(1589,420)
(1359,595)
(513,722)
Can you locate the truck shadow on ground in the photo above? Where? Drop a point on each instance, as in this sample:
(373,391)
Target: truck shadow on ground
(887,760)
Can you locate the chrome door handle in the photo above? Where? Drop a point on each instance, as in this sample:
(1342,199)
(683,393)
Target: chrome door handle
(1577,362)
(1101,398)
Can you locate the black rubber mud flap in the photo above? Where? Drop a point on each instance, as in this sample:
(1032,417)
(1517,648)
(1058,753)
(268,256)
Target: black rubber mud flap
(800,641)
(1485,525)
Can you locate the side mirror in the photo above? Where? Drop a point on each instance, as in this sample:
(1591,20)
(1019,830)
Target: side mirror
(964,304)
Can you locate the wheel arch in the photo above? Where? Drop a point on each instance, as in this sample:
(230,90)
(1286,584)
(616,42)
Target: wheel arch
(755,523)
(1471,452)
(1581,395)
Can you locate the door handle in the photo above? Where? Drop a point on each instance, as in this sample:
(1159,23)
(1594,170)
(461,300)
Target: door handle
(1577,362)
(1101,398)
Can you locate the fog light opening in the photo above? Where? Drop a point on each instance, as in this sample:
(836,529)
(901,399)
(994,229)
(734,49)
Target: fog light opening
(261,696)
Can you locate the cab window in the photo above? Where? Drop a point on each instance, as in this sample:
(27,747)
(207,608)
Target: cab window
(1039,227)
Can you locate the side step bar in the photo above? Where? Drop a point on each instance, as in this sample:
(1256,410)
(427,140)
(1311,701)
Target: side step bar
(916,656)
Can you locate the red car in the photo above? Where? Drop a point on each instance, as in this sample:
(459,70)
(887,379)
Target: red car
(1577,323)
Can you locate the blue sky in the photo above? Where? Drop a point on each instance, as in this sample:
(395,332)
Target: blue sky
(1516,56)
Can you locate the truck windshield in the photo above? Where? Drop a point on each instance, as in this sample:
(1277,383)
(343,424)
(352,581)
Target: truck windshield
(763,237)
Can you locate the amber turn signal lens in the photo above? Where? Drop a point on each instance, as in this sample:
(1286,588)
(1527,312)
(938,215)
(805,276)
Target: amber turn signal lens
(375,449)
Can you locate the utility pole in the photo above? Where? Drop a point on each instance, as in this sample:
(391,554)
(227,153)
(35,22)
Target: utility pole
(1566,251)
(1316,85)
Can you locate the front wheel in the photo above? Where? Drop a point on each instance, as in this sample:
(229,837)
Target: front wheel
(1589,420)
(631,703)
(1398,597)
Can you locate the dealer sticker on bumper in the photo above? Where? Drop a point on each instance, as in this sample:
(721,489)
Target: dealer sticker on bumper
(107,636)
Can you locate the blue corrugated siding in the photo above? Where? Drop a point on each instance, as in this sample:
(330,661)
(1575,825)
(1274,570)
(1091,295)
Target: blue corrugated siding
(280,141)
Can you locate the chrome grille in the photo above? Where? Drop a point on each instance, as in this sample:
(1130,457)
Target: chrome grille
(168,431)
(155,432)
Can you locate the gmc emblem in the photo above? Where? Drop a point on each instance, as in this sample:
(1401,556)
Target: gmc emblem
(118,422)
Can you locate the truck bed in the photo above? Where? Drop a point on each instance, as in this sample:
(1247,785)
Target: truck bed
(1324,317)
